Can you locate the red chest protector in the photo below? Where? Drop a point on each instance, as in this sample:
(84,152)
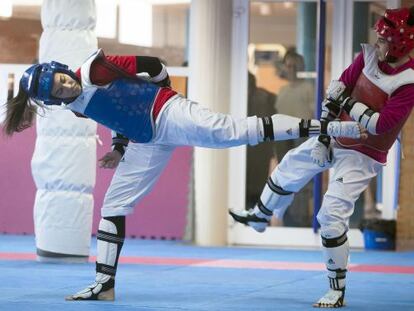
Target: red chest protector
(375,146)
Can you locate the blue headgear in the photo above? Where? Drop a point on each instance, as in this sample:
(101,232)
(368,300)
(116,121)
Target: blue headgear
(37,81)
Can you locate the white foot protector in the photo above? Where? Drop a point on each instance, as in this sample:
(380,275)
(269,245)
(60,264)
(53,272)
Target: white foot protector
(332,299)
(249,218)
(96,291)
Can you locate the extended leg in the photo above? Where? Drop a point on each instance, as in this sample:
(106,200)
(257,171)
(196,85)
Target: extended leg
(282,127)
(184,122)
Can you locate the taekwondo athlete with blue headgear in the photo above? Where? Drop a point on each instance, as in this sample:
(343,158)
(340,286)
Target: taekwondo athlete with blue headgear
(155,119)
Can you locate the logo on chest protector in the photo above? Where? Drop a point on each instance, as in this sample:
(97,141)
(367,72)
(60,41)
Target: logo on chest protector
(289,132)
(340,179)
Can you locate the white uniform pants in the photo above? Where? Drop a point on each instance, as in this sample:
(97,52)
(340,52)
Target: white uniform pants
(350,176)
(181,123)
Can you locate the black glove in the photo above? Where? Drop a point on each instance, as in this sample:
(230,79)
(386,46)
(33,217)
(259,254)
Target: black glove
(330,109)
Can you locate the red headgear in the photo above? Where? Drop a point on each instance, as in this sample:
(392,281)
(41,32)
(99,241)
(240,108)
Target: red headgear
(394,28)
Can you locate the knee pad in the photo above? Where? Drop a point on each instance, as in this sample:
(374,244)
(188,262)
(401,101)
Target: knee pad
(331,227)
(332,231)
(274,199)
(110,236)
(336,253)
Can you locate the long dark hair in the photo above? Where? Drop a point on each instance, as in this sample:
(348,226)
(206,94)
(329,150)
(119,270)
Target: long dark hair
(20,113)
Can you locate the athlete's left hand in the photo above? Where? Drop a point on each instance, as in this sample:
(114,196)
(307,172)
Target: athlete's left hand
(322,154)
(110,159)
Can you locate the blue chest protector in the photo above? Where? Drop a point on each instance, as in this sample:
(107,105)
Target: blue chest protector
(125,106)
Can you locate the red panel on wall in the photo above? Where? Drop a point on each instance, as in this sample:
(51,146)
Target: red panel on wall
(16,183)
(162,214)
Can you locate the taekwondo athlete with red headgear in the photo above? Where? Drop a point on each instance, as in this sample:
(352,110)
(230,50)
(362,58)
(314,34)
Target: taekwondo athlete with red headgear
(377,90)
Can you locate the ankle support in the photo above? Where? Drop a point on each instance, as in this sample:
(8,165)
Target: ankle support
(337,282)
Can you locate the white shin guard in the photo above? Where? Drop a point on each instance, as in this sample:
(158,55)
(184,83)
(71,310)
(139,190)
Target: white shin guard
(111,235)
(336,253)
(273,200)
(286,127)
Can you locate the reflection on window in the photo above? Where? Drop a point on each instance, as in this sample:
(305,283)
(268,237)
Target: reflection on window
(281,79)
(144,27)
(365,15)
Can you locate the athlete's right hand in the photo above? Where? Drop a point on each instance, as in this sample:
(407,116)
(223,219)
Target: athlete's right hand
(110,159)
(349,129)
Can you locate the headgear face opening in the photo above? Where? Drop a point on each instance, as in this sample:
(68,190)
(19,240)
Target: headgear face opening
(38,80)
(394,28)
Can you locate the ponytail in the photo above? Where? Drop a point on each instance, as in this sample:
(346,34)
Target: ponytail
(20,113)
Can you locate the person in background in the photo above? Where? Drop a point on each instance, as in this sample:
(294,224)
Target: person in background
(261,103)
(295,98)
